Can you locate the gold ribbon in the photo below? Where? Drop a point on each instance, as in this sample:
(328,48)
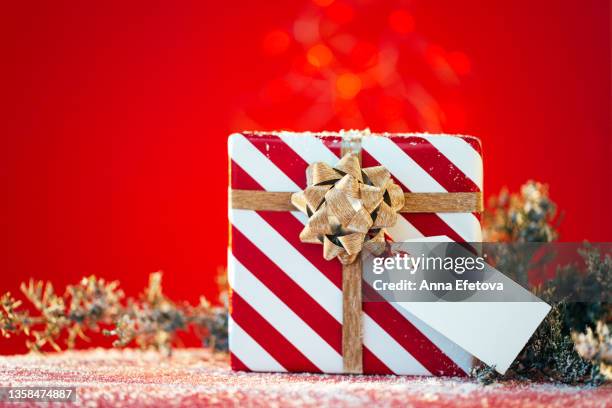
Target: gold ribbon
(260,200)
(348,209)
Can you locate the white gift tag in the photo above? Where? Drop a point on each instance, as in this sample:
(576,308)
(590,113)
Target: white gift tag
(494,332)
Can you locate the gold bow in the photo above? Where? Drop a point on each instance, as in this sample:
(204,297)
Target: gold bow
(348,207)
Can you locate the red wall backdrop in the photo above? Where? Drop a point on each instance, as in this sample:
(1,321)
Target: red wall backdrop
(115,117)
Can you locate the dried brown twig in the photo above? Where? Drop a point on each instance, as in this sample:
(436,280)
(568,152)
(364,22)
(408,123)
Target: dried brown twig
(529,216)
(94,305)
(596,346)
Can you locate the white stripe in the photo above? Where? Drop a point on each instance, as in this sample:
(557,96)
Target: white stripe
(461,154)
(289,324)
(301,217)
(255,357)
(309,147)
(323,291)
(403,230)
(465,224)
(390,352)
(401,165)
(258,166)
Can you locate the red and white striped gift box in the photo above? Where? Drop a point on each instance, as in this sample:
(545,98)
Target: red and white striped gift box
(286,300)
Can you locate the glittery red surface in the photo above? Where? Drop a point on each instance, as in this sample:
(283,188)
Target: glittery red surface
(194,377)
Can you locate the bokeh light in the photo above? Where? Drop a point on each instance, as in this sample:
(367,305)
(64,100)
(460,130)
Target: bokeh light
(335,73)
(319,56)
(348,85)
(306,30)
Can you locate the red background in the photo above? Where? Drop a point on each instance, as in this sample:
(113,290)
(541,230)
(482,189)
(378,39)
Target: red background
(115,117)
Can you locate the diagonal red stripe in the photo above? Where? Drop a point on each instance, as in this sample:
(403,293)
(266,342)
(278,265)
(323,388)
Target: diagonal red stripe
(372,365)
(436,164)
(333,143)
(475,143)
(283,157)
(270,339)
(240,179)
(237,364)
(367,160)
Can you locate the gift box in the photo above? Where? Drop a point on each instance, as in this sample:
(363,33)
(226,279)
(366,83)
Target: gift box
(286,304)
